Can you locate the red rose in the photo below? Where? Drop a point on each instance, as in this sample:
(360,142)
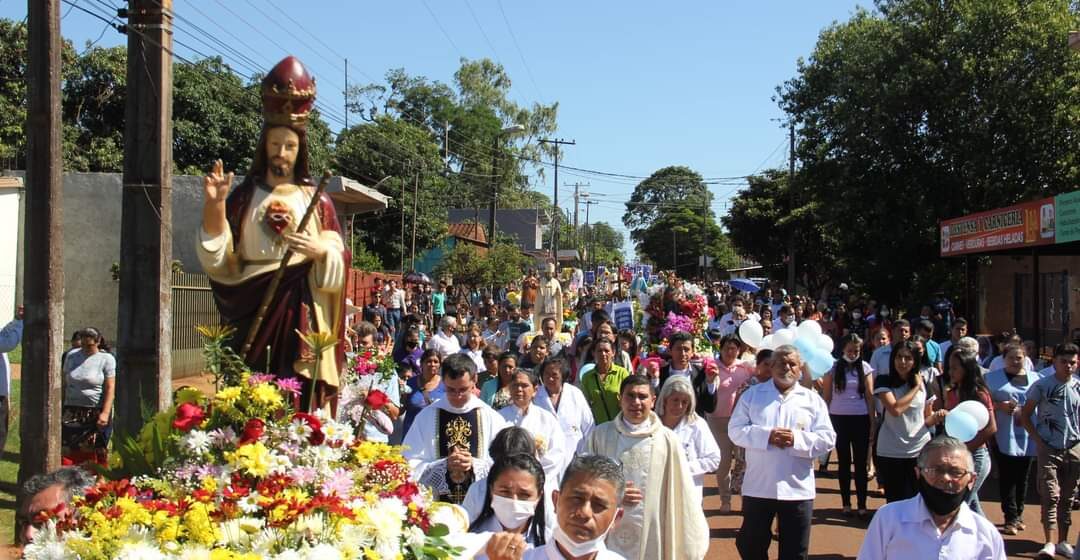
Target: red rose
(317,436)
(188,416)
(253,430)
(376,399)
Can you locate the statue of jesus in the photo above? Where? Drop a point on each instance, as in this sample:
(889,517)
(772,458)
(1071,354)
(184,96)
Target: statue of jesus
(245,235)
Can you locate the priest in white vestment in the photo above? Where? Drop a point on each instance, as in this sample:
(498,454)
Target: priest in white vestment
(662,519)
(565,401)
(543,425)
(458,421)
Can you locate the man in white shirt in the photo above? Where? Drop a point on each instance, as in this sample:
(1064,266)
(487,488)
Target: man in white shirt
(445,342)
(937,523)
(586,508)
(782,426)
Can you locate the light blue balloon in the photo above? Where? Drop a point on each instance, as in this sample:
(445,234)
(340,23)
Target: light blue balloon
(805,347)
(961,425)
(820,362)
(585,369)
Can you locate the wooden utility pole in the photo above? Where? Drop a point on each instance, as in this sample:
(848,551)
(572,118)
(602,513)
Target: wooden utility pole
(415,204)
(791,199)
(43,336)
(557,142)
(144,340)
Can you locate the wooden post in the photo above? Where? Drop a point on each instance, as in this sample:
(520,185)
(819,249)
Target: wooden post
(43,338)
(145,316)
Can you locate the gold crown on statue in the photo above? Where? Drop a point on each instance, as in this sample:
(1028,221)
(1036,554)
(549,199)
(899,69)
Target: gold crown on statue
(288,94)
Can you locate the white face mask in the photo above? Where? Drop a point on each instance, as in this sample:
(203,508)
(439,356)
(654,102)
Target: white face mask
(850,360)
(856,315)
(512,513)
(576,549)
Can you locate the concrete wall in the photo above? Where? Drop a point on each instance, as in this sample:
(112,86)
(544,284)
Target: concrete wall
(10,203)
(92,208)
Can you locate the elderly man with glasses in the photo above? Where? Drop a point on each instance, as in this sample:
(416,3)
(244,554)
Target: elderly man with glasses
(936,523)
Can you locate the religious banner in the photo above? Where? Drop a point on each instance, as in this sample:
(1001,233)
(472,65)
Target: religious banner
(590,277)
(646,271)
(1026,224)
(622,313)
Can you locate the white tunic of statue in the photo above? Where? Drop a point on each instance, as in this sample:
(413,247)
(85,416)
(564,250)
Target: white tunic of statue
(260,251)
(549,302)
(668,524)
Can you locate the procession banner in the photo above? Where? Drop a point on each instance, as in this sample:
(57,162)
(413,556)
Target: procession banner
(590,277)
(1027,224)
(622,313)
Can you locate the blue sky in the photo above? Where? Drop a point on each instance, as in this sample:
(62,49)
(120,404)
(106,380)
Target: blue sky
(640,85)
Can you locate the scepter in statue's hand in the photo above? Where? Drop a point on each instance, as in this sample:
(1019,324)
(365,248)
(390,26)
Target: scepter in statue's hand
(216,185)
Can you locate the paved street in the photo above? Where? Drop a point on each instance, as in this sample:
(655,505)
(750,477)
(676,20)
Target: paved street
(835,536)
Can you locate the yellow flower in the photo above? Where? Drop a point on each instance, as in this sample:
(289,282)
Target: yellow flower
(215,331)
(267,395)
(225,399)
(209,484)
(189,395)
(318,341)
(253,458)
(198,524)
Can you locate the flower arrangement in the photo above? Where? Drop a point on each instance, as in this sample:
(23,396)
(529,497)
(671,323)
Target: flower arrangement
(360,400)
(242,475)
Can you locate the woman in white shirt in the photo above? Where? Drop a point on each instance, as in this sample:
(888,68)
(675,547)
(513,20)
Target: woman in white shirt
(513,502)
(675,407)
(474,347)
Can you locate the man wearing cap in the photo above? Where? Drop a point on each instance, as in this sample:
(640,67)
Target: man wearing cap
(246,233)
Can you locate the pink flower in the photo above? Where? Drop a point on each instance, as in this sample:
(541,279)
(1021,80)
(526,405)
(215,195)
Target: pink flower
(339,482)
(257,378)
(303,475)
(289,385)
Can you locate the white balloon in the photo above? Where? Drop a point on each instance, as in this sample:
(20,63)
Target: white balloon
(825,342)
(809,328)
(768,342)
(782,337)
(751,333)
(977,410)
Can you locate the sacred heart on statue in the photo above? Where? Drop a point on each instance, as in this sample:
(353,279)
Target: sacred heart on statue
(278,216)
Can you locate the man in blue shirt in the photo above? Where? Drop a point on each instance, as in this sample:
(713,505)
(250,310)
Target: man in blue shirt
(1056,433)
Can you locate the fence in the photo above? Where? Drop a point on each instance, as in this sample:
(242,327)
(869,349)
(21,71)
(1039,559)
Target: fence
(192,305)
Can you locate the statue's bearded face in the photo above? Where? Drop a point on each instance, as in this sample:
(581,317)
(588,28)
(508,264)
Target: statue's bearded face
(282,147)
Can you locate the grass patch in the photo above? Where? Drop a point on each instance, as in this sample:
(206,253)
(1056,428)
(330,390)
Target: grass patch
(9,468)
(15,356)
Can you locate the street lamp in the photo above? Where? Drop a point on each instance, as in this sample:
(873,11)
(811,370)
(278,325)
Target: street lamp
(504,133)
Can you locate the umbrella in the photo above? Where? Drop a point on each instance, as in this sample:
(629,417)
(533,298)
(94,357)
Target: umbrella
(417,278)
(744,285)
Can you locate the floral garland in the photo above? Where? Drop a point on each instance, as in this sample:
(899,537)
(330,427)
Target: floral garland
(240,475)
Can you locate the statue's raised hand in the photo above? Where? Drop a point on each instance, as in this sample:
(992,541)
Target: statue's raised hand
(216,183)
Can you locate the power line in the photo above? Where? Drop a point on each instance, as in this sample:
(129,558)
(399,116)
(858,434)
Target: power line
(517,47)
(441,28)
(483,33)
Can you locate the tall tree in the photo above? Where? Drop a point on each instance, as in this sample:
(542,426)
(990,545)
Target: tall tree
(922,111)
(605,242)
(671,222)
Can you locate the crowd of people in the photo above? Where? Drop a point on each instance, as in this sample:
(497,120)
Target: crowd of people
(568,437)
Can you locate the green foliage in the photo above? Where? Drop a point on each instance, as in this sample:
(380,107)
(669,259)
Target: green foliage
(410,123)
(761,219)
(13,57)
(94,100)
(605,242)
(466,264)
(928,110)
(221,360)
(215,116)
(671,221)
(364,259)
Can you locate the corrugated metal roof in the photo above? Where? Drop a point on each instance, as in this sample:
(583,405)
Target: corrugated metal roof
(471,231)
